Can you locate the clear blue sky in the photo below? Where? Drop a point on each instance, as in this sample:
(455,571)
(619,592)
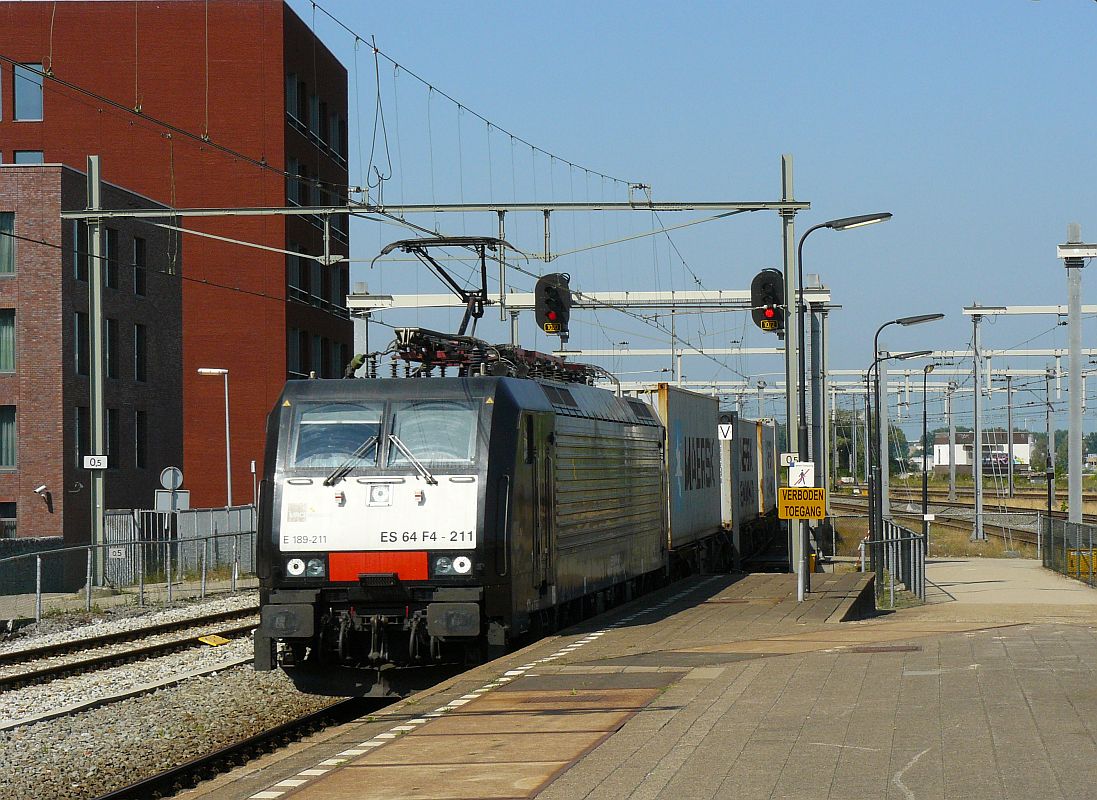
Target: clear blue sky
(972,122)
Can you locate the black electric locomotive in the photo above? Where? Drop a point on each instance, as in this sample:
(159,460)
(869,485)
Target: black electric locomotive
(412,521)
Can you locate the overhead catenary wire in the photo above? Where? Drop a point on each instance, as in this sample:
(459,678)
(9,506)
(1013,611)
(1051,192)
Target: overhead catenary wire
(456,102)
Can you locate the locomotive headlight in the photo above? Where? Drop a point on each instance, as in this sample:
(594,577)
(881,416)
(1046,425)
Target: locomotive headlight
(443,565)
(380,494)
(315,568)
(462,565)
(295,567)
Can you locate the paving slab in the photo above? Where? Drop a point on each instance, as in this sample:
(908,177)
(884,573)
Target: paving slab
(721,688)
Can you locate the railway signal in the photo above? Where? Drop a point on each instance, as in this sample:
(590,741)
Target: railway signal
(552,303)
(767,299)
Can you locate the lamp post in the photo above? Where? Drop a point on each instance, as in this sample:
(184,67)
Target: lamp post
(875,492)
(228,440)
(841,224)
(928,368)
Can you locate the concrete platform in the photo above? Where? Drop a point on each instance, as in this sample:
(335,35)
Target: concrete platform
(724,686)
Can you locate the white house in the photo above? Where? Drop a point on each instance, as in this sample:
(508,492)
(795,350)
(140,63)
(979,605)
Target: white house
(995,451)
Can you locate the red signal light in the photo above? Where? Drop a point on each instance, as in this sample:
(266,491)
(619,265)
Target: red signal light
(551,315)
(769,313)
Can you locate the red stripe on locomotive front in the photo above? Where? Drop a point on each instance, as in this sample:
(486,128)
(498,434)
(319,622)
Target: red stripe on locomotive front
(348,566)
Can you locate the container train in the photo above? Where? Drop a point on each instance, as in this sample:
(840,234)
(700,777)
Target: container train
(424,520)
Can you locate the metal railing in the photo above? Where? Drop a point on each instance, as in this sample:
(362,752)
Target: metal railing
(898,557)
(1068,548)
(159,556)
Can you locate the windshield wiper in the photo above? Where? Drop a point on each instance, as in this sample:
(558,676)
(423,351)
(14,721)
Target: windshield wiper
(403,448)
(341,471)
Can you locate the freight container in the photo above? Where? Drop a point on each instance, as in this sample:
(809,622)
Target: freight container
(692,456)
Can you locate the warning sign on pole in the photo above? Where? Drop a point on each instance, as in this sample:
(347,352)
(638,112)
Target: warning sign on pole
(806,503)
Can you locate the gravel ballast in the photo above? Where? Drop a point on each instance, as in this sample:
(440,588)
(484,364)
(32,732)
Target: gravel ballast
(74,627)
(87,754)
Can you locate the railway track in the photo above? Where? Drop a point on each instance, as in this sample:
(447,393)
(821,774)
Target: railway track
(25,654)
(942,519)
(65,663)
(191,773)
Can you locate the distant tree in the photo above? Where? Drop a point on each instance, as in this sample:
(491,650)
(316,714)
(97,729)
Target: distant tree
(1089,442)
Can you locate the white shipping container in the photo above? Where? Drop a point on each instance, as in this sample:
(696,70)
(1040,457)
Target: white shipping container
(693,462)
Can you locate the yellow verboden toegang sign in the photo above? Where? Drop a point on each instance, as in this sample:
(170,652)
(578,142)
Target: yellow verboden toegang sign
(809,502)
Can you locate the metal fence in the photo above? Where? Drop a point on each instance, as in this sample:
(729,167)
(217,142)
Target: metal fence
(149,555)
(1068,548)
(898,557)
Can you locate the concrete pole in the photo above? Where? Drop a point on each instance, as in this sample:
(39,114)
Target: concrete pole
(977,533)
(502,255)
(818,400)
(1074,330)
(868,435)
(853,439)
(796,532)
(1009,432)
(1049,469)
(882,428)
(228,447)
(97,373)
(951,445)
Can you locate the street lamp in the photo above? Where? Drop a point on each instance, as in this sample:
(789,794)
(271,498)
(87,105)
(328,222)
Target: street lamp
(878,517)
(228,440)
(928,368)
(875,493)
(842,224)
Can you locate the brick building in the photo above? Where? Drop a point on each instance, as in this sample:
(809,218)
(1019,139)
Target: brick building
(44,353)
(250,77)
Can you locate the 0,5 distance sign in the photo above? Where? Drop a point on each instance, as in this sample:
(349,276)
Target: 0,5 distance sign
(95,462)
(807,503)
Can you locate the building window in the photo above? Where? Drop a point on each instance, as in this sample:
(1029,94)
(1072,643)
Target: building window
(316,363)
(114,438)
(316,283)
(9,439)
(140,255)
(303,351)
(7,340)
(303,186)
(110,347)
(302,102)
(296,275)
(83,343)
(324,123)
(292,171)
(80,251)
(140,348)
(293,353)
(140,447)
(314,114)
(8,520)
(110,260)
(83,435)
(333,132)
(29,157)
(291,95)
(28,92)
(7,242)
